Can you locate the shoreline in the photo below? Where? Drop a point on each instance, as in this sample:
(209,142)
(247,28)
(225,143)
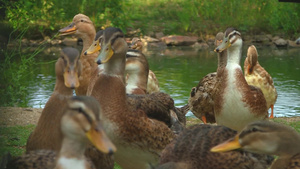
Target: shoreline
(19,116)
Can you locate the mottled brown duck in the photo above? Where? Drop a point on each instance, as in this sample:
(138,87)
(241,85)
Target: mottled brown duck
(270,138)
(80,126)
(191,150)
(235,102)
(256,75)
(201,100)
(138,138)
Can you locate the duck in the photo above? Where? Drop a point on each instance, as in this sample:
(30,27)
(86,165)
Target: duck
(138,138)
(267,137)
(297,41)
(136,70)
(256,75)
(80,126)
(136,64)
(235,102)
(152,82)
(201,101)
(157,105)
(67,70)
(191,150)
(47,134)
(137,44)
(83,28)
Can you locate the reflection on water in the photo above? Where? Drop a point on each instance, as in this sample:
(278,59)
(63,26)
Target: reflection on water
(180,69)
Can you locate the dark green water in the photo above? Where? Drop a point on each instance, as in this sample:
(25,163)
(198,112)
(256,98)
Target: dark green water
(180,69)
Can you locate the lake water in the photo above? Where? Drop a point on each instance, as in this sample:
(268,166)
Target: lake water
(178,69)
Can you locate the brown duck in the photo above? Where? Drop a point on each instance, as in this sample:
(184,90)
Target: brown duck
(270,138)
(84,28)
(235,102)
(138,138)
(47,134)
(256,75)
(201,100)
(191,150)
(80,125)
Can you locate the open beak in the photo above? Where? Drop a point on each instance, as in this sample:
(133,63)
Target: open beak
(224,45)
(70,29)
(95,47)
(105,54)
(71,78)
(100,140)
(228,145)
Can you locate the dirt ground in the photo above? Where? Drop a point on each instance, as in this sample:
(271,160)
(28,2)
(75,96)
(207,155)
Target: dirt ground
(12,116)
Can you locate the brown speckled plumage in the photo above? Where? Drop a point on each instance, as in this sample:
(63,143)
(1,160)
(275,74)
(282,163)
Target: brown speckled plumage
(84,29)
(201,97)
(294,162)
(257,76)
(266,137)
(236,103)
(157,105)
(138,138)
(191,149)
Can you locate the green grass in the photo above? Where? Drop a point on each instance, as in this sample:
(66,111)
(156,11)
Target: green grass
(13,139)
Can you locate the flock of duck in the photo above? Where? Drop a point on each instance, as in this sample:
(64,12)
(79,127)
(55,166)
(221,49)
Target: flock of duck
(119,115)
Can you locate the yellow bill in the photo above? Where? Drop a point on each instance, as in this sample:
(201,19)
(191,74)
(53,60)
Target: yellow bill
(228,145)
(71,79)
(105,54)
(95,47)
(224,45)
(100,140)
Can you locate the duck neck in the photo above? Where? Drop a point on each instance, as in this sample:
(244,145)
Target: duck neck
(136,80)
(222,59)
(110,87)
(71,155)
(115,67)
(87,39)
(61,88)
(234,54)
(72,148)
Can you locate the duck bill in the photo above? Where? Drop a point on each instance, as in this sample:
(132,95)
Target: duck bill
(105,54)
(224,45)
(71,29)
(95,47)
(71,79)
(231,144)
(100,140)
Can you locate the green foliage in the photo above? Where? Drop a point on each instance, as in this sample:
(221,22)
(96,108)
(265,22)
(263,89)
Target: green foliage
(38,15)
(170,16)
(13,139)
(15,69)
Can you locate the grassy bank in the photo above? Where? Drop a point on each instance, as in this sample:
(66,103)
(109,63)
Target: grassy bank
(197,17)
(13,139)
